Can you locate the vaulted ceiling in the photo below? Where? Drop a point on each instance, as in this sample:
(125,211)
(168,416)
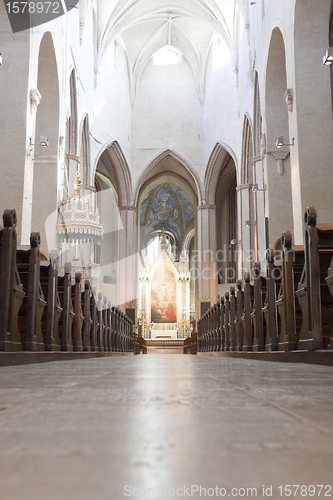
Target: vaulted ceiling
(145,26)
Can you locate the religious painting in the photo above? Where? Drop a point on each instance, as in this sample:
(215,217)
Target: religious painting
(163,296)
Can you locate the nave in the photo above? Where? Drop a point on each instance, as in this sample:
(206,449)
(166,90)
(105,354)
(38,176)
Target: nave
(88,429)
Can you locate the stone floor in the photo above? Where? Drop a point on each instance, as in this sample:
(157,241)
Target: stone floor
(97,429)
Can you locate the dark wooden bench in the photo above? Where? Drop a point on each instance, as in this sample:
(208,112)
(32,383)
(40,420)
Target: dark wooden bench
(31,311)
(67,315)
(316,300)
(11,288)
(52,313)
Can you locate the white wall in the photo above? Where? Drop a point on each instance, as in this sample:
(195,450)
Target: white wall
(167,114)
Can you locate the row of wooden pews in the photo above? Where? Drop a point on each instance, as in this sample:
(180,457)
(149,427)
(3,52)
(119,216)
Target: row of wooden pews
(288,308)
(42,309)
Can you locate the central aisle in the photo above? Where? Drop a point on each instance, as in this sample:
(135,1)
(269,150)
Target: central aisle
(83,430)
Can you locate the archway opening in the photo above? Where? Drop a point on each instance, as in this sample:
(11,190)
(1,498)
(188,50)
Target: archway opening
(45,175)
(167,221)
(280,214)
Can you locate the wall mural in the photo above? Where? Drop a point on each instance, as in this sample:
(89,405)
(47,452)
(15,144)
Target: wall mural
(163,296)
(166,206)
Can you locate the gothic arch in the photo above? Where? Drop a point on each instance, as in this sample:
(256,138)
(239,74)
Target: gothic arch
(257,118)
(72,125)
(45,180)
(187,173)
(278,166)
(215,165)
(246,174)
(121,176)
(72,158)
(85,153)
(220,184)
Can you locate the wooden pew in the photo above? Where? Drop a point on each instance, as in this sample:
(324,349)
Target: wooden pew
(11,289)
(105,324)
(257,311)
(218,326)
(67,315)
(246,318)
(52,313)
(232,322)
(269,307)
(94,321)
(78,318)
(31,311)
(317,301)
(87,321)
(329,281)
(100,328)
(287,338)
(240,313)
(109,322)
(222,321)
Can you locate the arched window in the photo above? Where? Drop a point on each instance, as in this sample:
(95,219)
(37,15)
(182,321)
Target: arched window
(85,153)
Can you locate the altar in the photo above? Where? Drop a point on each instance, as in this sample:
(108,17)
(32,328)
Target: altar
(165,299)
(159,331)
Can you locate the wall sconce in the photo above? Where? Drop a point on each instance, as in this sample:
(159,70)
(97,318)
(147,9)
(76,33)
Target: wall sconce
(255,188)
(328,57)
(44,142)
(0,59)
(248,223)
(233,242)
(280,142)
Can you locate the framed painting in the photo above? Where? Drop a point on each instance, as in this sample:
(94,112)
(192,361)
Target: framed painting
(163,296)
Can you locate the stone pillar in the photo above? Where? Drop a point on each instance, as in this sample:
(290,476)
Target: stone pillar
(128,256)
(246,228)
(311,119)
(17,167)
(206,244)
(260,204)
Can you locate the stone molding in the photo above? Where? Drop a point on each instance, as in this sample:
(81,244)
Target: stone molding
(289,98)
(35,98)
(280,157)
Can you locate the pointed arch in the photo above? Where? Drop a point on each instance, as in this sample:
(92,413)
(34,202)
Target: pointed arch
(45,171)
(119,172)
(246,174)
(190,174)
(257,118)
(85,153)
(72,142)
(218,159)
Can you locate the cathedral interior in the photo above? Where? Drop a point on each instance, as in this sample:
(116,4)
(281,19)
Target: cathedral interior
(166,249)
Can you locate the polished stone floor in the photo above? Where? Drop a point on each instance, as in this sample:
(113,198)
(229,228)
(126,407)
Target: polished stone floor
(98,429)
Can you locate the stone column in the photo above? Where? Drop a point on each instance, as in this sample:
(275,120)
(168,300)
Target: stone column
(206,244)
(17,167)
(311,119)
(128,256)
(246,228)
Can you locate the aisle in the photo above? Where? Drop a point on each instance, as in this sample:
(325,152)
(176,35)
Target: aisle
(86,429)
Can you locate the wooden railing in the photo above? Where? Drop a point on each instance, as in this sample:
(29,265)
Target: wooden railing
(289,308)
(44,310)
